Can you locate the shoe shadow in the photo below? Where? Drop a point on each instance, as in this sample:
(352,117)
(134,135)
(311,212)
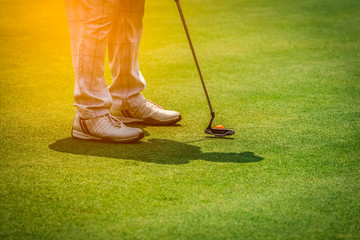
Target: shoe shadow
(160,151)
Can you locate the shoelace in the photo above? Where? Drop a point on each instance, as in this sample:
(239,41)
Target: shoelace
(116,122)
(153,104)
(141,110)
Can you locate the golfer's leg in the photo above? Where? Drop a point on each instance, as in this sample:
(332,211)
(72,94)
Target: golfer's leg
(124,41)
(90,23)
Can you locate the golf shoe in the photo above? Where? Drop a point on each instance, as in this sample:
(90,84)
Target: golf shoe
(147,113)
(105,128)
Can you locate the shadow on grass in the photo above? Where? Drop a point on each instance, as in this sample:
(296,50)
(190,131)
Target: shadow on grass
(161,151)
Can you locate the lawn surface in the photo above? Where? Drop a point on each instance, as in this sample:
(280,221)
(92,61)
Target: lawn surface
(283,73)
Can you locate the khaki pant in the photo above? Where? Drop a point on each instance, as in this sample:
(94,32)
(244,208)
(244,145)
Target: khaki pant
(95,25)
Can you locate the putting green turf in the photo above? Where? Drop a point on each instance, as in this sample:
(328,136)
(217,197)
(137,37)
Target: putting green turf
(284,74)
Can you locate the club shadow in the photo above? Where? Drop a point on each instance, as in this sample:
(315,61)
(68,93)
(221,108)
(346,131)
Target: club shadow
(160,151)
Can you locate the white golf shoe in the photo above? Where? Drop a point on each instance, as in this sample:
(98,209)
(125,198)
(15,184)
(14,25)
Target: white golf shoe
(147,113)
(105,128)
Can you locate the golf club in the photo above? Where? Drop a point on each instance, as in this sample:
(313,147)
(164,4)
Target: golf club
(219,132)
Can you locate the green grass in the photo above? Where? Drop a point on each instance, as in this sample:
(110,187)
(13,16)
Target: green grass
(284,74)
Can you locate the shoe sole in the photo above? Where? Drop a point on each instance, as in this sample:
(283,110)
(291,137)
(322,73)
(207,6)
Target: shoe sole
(149,121)
(84,136)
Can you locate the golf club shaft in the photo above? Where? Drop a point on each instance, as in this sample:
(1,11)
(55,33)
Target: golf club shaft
(195,58)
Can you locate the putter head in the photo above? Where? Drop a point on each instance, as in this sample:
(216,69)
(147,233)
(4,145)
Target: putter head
(219,132)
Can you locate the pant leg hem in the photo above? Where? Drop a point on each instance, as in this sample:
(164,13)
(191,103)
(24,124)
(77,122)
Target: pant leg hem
(126,104)
(86,113)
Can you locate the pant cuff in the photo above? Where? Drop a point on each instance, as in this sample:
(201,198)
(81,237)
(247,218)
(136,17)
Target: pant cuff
(87,113)
(126,104)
